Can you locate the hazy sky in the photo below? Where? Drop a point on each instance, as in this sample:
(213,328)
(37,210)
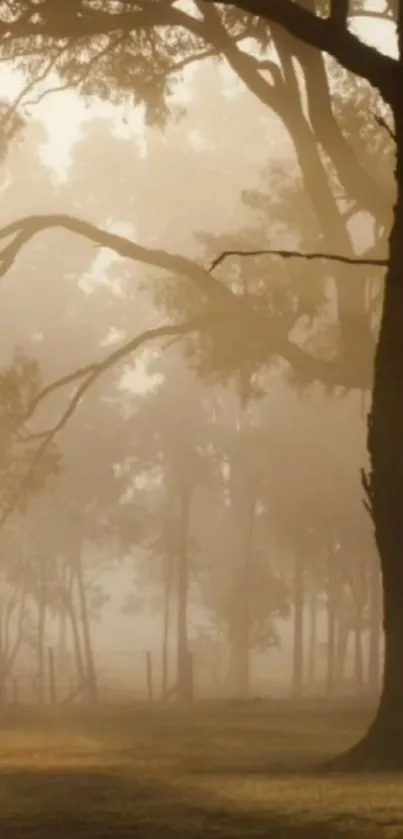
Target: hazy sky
(64,112)
(63,115)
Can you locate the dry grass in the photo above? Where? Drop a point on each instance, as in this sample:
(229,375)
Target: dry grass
(222,771)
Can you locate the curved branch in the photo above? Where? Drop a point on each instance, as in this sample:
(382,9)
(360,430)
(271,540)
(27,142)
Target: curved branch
(217,293)
(89,376)
(27,228)
(319,32)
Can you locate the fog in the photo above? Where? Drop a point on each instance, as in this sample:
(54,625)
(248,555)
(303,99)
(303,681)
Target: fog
(196,528)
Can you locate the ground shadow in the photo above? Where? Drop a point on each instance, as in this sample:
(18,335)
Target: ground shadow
(101,804)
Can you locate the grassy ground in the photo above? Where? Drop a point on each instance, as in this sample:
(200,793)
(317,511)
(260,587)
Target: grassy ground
(223,771)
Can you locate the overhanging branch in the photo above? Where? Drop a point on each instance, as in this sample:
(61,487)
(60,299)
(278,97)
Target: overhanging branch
(296,254)
(229,304)
(88,376)
(217,293)
(323,34)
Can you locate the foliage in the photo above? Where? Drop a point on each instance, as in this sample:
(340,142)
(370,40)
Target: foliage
(19,465)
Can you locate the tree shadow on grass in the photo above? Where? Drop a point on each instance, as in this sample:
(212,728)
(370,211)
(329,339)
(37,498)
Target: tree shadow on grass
(101,804)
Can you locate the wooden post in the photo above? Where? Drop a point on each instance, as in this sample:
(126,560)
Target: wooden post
(52,683)
(149,676)
(15,691)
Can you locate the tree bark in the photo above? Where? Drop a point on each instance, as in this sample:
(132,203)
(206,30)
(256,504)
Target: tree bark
(382,747)
(375,629)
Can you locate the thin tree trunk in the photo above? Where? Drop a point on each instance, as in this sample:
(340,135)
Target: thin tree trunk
(75,632)
(243,516)
(312,645)
(168,563)
(342,639)
(244,641)
(358,657)
(42,609)
(92,686)
(331,628)
(298,645)
(184,675)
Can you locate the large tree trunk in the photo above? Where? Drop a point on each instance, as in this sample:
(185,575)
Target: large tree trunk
(382,747)
(375,629)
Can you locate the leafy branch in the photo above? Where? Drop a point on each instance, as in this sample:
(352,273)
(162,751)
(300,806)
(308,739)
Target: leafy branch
(87,376)
(229,303)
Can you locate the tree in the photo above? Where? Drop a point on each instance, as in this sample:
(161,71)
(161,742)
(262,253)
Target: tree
(384,485)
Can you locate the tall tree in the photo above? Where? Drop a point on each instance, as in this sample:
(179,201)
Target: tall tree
(60,30)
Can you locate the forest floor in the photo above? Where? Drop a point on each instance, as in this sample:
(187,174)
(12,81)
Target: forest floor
(222,771)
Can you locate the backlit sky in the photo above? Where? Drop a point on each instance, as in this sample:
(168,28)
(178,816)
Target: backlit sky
(63,113)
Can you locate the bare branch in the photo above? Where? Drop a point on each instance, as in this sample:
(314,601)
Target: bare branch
(26,228)
(295,254)
(89,376)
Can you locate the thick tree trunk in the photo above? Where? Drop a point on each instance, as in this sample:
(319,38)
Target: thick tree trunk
(382,747)
(375,629)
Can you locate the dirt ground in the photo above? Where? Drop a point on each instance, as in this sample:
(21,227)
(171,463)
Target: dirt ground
(221,771)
